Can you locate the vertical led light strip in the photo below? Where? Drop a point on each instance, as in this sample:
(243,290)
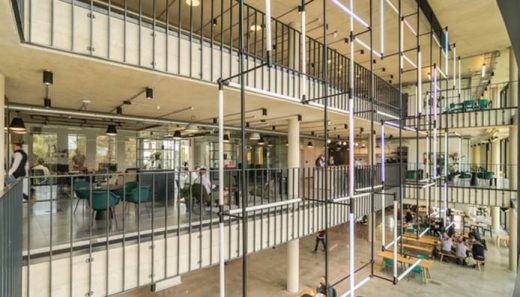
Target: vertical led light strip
(445,193)
(221,189)
(269,44)
(460,75)
(383,168)
(446,52)
(382,20)
(460,154)
(401,41)
(434,102)
(419,81)
(352,270)
(395,239)
(304,53)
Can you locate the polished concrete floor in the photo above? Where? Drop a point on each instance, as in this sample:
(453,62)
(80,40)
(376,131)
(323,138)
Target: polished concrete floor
(267,271)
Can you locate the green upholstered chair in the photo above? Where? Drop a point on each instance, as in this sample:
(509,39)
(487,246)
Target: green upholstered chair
(483,104)
(81,189)
(123,191)
(101,202)
(138,194)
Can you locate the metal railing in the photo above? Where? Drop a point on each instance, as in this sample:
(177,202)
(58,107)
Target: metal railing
(88,228)
(11,240)
(200,43)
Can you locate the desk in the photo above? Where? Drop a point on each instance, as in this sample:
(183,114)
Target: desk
(425,264)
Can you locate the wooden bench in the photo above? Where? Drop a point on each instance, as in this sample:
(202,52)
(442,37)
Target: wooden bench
(445,254)
(422,249)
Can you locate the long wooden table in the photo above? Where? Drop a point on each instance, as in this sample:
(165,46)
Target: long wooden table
(426,239)
(425,264)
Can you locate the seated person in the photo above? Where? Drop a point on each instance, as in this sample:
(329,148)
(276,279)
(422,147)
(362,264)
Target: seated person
(41,166)
(203,179)
(447,244)
(478,251)
(435,252)
(451,231)
(462,251)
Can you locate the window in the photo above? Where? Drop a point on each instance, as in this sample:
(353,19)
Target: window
(44,147)
(105,151)
(77,150)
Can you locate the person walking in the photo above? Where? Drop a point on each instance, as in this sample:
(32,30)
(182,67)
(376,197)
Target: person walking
(321,237)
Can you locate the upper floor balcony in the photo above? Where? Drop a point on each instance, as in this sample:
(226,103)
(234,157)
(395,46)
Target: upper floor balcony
(201,43)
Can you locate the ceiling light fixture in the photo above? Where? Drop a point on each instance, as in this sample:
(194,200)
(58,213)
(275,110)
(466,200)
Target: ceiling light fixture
(255,28)
(261,141)
(254,136)
(111,130)
(191,128)
(17,124)
(177,135)
(309,144)
(484,70)
(47,102)
(226,138)
(193,3)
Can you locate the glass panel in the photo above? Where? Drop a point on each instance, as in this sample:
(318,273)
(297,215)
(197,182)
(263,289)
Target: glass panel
(106,153)
(77,150)
(44,147)
(130,153)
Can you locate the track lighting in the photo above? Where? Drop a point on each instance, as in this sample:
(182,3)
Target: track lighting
(47,102)
(149,93)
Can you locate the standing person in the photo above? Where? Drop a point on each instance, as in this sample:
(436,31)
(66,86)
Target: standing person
(320,161)
(19,166)
(321,237)
(78,161)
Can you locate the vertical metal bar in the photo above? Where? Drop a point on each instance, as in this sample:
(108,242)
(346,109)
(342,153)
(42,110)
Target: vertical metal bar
(140,33)
(107,225)
(91,26)
(109,15)
(52,23)
(166,34)
(154,16)
(123,244)
(179,33)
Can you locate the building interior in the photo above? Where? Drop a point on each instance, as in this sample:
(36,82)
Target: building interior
(259,148)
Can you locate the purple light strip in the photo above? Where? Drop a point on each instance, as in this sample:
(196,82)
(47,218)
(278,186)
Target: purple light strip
(356,17)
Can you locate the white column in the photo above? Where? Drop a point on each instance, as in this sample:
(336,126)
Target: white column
(513,240)
(495,217)
(477,160)
(495,158)
(2,124)
(293,246)
(513,143)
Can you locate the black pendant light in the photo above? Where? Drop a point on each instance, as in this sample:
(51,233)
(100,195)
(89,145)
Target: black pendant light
(226,138)
(111,130)
(309,144)
(17,124)
(261,141)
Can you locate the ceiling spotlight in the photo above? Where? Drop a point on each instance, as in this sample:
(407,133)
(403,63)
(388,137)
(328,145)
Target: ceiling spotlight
(335,34)
(177,135)
(254,136)
(17,124)
(484,70)
(264,112)
(214,22)
(47,77)
(383,69)
(255,28)
(193,3)
(149,93)
(362,52)
(329,141)
(309,144)
(111,130)
(270,144)
(47,102)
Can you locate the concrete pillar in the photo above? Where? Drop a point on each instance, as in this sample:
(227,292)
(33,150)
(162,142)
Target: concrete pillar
(513,239)
(293,246)
(513,160)
(495,217)
(477,161)
(2,124)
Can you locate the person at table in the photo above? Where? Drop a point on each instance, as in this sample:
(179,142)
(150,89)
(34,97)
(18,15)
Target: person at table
(447,244)
(478,251)
(203,179)
(78,161)
(451,230)
(322,289)
(194,175)
(461,251)
(41,166)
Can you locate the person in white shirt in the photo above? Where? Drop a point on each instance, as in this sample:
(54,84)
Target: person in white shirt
(42,167)
(194,175)
(19,167)
(446,244)
(462,251)
(203,179)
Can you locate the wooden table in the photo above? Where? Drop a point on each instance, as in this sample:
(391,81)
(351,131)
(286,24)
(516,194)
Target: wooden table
(426,239)
(425,264)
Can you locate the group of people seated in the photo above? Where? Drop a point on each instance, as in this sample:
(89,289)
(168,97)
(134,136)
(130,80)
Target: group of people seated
(466,249)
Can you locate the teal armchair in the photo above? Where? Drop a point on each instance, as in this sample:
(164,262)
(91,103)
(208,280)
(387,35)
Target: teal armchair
(101,202)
